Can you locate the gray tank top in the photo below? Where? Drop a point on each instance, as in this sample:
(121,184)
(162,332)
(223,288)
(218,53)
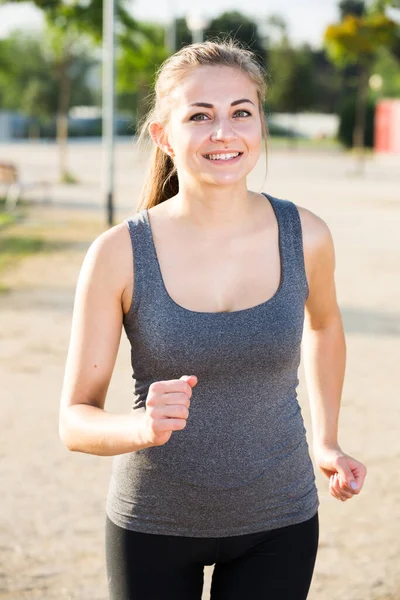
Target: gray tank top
(242,463)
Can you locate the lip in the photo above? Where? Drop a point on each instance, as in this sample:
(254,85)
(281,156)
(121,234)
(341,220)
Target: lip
(229,161)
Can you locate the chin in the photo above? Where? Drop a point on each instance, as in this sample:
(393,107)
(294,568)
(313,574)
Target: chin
(221,181)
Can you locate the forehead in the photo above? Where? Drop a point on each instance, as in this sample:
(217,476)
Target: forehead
(213,84)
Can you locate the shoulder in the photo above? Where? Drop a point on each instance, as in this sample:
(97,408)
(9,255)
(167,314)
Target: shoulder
(110,246)
(109,259)
(318,242)
(316,232)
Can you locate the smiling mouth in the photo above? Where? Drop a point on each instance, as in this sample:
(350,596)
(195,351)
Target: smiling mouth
(223,156)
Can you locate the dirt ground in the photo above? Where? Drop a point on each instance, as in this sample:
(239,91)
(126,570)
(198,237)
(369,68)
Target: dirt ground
(52,510)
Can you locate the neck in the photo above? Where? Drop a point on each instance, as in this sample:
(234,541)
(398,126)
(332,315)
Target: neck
(212,207)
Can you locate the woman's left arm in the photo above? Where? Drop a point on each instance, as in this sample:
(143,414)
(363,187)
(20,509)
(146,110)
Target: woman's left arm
(324,353)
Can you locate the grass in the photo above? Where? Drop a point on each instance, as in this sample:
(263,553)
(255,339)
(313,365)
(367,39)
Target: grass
(69,178)
(16,242)
(14,248)
(6,219)
(41,232)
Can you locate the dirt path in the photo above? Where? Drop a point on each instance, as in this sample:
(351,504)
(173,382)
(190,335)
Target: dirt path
(52,517)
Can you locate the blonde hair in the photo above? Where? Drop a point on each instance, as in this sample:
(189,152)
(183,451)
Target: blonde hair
(161,182)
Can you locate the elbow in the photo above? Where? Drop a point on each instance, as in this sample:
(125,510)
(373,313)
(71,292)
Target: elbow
(65,432)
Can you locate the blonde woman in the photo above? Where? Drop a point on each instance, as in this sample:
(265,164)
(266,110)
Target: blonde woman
(212,283)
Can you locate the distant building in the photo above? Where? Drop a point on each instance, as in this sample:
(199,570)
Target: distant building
(13,125)
(312,125)
(82,122)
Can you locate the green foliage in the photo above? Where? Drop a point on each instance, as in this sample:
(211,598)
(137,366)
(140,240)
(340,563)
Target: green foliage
(357,39)
(380,5)
(6,218)
(140,48)
(24,77)
(351,7)
(183,34)
(140,57)
(239,27)
(231,24)
(293,87)
(87,16)
(347,115)
(29,70)
(388,68)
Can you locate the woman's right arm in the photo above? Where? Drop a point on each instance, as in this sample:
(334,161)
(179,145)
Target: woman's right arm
(84,425)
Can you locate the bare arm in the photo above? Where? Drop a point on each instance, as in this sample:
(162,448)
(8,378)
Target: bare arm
(324,351)
(85,426)
(324,346)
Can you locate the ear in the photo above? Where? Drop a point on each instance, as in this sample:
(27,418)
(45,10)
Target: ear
(160,137)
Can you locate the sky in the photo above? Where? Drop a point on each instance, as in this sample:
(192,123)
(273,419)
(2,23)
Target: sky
(307,19)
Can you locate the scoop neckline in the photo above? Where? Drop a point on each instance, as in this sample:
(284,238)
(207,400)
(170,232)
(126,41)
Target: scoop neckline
(224,314)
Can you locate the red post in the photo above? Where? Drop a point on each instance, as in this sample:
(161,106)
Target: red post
(387,126)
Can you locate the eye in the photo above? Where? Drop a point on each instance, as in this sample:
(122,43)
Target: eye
(194,117)
(245,113)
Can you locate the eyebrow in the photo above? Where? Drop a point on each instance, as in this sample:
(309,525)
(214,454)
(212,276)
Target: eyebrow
(234,103)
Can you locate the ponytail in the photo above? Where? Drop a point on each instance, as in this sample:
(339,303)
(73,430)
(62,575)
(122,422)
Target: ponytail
(161,180)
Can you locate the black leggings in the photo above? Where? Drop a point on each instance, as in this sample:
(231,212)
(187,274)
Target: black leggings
(270,565)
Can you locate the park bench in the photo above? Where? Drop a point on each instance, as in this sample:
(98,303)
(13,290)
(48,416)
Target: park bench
(14,187)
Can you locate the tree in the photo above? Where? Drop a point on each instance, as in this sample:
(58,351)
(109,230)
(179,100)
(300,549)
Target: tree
(241,28)
(68,24)
(183,34)
(388,68)
(351,7)
(356,40)
(63,48)
(293,86)
(137,63)
(84,15)
(381,6)
(27,79)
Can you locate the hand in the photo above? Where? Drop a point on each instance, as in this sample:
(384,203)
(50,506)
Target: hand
(346,474)
(167,409)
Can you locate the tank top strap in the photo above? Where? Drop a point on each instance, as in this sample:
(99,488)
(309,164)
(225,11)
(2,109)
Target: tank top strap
(290,242)
(147,284)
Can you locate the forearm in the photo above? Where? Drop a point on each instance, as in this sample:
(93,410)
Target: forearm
(324,353)
(90,429)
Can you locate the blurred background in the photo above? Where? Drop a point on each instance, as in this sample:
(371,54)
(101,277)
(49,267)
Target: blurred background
(333,113)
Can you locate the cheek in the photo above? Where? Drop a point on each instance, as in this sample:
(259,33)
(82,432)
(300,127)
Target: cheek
(189,143)
(255,135)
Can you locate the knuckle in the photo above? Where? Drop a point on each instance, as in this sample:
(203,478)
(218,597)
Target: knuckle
(156,387)
(151,410)
(184,413)
(185,388)
(184,400)
(150,400)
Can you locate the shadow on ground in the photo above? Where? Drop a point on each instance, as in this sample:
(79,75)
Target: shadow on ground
(371,322)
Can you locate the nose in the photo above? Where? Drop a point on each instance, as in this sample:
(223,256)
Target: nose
(223,131)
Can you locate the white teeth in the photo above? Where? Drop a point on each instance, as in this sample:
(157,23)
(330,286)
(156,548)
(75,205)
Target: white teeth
(222,156)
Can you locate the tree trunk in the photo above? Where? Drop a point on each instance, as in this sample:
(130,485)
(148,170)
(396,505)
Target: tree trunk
(361,118)
(62,119)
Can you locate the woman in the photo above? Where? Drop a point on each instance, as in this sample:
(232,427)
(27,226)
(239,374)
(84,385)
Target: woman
(211,282)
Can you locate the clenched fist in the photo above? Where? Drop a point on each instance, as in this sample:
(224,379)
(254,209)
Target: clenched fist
(167,409)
